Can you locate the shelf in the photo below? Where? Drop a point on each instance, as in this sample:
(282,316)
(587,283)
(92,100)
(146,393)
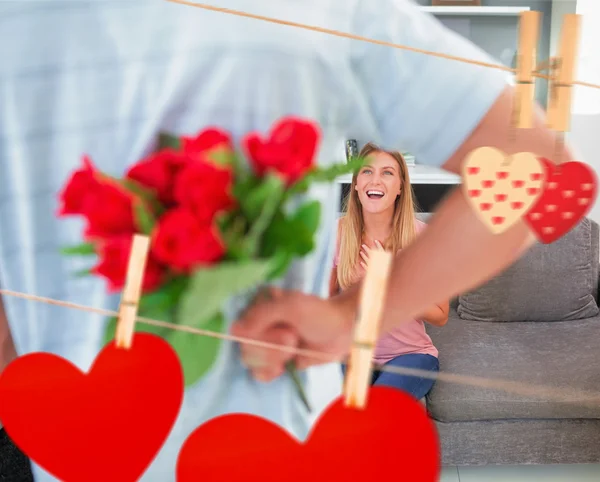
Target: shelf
(476,11)
(420,174)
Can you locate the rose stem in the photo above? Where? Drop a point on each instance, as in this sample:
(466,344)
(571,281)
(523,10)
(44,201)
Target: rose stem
(291,369)
(290,366)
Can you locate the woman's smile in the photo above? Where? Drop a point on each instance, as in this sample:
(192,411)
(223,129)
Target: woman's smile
(375,194)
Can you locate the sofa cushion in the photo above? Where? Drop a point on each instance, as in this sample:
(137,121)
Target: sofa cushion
(559,355)
(554,282)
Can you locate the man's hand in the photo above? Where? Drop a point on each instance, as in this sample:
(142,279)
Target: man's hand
(294,319)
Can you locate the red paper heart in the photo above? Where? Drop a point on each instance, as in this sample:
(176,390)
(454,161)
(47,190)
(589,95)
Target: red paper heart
(103,426)
(569,193)
(392,439)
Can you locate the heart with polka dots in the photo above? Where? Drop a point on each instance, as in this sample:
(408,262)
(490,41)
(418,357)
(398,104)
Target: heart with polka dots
(502,188)
(569,193)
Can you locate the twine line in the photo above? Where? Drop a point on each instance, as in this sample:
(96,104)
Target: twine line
(337,33)
(570,396)
(590,399)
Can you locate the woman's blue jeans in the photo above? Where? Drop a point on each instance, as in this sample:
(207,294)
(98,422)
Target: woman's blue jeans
(416,386)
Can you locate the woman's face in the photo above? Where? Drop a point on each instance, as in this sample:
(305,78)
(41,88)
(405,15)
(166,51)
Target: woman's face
(378,183)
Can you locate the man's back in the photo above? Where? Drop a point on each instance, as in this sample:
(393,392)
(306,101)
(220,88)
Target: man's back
(104,77)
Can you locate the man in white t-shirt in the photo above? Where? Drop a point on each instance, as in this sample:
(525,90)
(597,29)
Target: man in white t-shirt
(104,77)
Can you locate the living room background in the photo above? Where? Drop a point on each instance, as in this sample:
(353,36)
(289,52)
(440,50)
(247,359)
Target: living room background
(497,35)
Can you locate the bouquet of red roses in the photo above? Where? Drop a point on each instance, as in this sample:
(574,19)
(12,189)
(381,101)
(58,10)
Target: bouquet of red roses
(218,226)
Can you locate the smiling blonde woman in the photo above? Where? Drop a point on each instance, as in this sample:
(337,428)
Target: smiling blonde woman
(380,214)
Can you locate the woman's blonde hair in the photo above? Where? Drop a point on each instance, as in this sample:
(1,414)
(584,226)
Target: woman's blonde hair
(352,224)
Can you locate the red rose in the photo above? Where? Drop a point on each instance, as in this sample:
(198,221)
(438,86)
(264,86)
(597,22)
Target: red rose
(205,189)
(107,206)
(109,210)
(207,140)
(114,258)
(289,150)
(182,242)
(158,172)
(81,183)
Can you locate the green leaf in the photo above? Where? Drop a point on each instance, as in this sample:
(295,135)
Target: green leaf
(294,235)
(269,190)
(241,170)
(83,249)
(109,332)
(302,240)
(244,186)
(136,188)
(145,195)
(165,298)
(158,305)
(326,174)
(82,273)
(210,287)
(143,217)
(331,173)
(280,263)
(197,353)
(310,215)
(269,208)
(168,141)
(233,229)
(290,234)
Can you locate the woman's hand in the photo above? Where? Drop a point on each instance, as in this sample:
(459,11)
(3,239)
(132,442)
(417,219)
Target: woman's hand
(364,253)
(437,315)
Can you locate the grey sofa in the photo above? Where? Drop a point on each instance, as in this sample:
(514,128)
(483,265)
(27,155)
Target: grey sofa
(538,323)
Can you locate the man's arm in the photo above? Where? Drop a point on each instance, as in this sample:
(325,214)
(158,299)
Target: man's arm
(455,253)
(440,110)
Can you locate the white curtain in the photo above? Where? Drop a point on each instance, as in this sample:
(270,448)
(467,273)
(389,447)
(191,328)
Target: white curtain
(586,101)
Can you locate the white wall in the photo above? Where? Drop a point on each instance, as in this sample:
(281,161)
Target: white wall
(585,120)
(559,8)
(584,134)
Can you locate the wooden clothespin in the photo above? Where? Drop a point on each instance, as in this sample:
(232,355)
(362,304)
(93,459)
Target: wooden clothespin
(131,293)
(367,328)
(529,31)
(561,83)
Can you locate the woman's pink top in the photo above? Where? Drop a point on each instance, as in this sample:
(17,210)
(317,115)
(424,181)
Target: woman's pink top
(405,338)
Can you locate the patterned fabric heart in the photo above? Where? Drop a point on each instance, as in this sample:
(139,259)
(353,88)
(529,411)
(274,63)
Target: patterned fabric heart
(569,193)
(501,188)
